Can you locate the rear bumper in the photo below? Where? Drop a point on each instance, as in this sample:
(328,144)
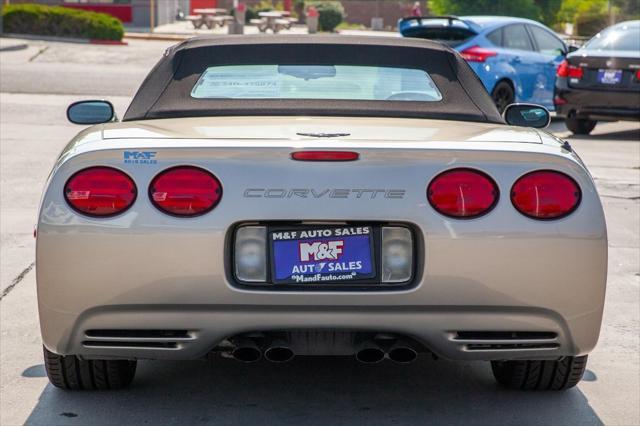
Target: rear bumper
(597,104)
(434,327)
(491,281)
(144,270)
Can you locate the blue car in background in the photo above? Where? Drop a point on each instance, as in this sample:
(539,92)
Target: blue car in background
(515,58)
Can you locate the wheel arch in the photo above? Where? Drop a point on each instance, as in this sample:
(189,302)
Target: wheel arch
(506,79)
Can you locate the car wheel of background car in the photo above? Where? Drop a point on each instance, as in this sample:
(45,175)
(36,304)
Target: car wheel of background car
(73,373)
(540,375)
(579,126)
(503,95)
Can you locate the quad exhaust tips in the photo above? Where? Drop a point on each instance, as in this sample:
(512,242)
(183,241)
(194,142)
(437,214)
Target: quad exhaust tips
(278,351)
(251,349)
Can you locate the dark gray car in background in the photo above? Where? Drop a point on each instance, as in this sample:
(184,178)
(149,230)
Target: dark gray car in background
(601,81)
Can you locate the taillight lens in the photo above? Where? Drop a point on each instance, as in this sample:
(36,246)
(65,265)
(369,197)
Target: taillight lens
(477,54)
(462,193)
(565,70)
(185,191)
(545,194)
(559,100)
(100,191)
(637,75)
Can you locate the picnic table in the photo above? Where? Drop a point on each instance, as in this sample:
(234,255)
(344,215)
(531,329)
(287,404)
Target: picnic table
(274,20)
(210,17)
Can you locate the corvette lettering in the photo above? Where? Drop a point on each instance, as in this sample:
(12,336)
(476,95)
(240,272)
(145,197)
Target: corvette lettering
(356,193)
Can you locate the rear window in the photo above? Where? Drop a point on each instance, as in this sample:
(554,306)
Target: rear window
(617,38)
(331,82)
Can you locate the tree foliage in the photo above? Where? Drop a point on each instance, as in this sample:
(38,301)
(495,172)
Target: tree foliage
(587,16)
(521,8)
(549,10)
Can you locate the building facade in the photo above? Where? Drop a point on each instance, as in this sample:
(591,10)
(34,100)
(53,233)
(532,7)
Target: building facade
(133,13)
(137,13)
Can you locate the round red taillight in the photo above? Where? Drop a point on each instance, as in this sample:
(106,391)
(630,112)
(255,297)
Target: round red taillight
(100,191)
(545,194)
(462,193)
(185,191)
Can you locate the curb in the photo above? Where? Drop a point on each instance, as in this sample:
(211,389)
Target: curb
(158,37)
(109,42)
(65,39)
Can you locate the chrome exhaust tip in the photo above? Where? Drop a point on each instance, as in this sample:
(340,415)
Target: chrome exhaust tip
(278,352)
(246,350)
(402,353)
(370,353)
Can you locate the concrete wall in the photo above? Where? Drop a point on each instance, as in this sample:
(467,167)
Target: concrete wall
(166,11)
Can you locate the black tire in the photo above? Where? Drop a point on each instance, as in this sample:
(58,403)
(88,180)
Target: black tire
(580,126)
(540,375)
(72,373)
(503,95)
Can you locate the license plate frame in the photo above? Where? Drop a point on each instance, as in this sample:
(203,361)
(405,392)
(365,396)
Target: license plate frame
(609,76)
(282,243)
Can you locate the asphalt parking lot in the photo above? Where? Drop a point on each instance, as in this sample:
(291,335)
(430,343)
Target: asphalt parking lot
(36,85)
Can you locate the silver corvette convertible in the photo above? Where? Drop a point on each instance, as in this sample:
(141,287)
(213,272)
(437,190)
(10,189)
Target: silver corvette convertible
(275,197)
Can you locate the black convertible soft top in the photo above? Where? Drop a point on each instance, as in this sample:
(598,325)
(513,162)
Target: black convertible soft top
(166,92)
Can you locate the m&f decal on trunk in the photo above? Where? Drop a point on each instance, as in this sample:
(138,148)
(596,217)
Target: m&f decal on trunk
(140,157)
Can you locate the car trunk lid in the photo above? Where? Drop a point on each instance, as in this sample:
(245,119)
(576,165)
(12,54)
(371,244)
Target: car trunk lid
(299,130)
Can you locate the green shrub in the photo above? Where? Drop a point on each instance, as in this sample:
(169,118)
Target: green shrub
(331,14)
(60,22)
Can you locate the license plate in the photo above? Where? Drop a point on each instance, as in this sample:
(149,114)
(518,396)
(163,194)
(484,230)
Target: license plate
(316,256)
(610,76)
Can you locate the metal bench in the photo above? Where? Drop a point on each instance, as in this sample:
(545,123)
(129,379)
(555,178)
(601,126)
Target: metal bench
(261,23)
(196,20)
(291,22)
(280,24)
(220,21)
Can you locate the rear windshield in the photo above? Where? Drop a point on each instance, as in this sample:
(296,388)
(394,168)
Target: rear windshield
(339,82)
(618,38)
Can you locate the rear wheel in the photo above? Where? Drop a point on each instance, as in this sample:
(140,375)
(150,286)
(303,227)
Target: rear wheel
(580,126)
(540,375)
(72,373)
(503,95)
